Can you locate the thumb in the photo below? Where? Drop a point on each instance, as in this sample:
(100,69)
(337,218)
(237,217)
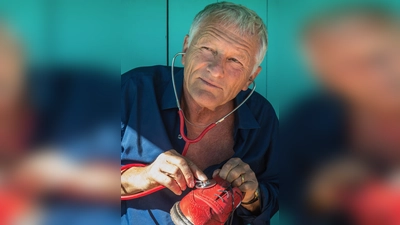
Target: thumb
(216,172)
(200,175)
(196,171)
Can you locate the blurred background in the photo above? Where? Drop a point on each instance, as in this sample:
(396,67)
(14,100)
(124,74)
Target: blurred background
(339,98)
(59,112)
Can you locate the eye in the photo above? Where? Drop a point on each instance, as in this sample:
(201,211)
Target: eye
(206,48)
(235,60)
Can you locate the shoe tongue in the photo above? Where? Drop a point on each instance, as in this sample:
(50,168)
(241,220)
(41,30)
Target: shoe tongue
(221,181)
(225,184)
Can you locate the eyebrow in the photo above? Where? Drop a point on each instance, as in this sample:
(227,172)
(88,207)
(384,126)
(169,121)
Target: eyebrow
(205,41)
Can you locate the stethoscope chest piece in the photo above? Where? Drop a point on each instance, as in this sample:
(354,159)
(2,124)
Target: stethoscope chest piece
(205,184)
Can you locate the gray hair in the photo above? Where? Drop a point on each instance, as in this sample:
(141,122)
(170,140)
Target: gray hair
(230,14)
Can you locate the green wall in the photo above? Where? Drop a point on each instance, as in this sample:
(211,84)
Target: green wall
(66,32)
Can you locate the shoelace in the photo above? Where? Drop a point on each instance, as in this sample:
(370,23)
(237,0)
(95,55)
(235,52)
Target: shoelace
(233,206)
(228,193)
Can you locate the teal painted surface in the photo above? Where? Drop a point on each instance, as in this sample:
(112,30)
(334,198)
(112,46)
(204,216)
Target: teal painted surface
(274,61)
(65,32)
(144,33)
(84,32)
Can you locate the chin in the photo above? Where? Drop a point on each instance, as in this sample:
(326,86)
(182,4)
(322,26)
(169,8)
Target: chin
(206,102)
(207,105)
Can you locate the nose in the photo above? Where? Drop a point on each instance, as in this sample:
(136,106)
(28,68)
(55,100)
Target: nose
(216,67)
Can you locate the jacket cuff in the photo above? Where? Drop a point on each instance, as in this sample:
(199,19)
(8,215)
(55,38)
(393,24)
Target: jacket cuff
(266,207)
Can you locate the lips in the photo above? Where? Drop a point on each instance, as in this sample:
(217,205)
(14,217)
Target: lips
(208,83)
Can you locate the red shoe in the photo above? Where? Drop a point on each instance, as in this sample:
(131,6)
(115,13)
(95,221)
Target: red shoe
(211,204)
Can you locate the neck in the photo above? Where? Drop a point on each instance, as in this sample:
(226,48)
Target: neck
(203,116)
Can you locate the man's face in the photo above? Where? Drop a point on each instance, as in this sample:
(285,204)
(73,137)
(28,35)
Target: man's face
(219,63)
(361,62)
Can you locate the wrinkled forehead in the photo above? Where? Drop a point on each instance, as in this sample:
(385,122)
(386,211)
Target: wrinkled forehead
(229,34)
(237,27)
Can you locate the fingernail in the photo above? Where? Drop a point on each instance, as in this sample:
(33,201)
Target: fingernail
(191,184)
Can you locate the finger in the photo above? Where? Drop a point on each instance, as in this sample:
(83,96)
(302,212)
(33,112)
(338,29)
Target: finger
(248,188)
(168,182)
(238,181)
(172,152)
(216,172)
(235,173)
(228,167)
(174,172)
(183,166)
(198,173)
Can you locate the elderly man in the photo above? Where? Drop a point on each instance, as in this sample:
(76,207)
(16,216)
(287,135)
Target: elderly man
(223,51)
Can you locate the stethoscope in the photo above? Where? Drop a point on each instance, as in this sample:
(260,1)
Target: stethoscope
(188,141)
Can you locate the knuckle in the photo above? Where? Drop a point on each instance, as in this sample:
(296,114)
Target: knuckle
(246,187)
(162,157)
(236,183)
(175,170)
(252,174)
(186,171)
(234,173)
(188,175)
(236,160)
(181,161)
(169,181)
(178,177)
(190,163)
(246,166)
(227,166)
(157,177)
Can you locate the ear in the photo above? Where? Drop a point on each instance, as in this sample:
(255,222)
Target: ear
(185,47)
(251,78)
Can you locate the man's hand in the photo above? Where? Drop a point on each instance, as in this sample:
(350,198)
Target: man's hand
(240,175)
(170,169)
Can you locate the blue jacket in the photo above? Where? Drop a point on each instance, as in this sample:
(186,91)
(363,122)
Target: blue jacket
(150,126)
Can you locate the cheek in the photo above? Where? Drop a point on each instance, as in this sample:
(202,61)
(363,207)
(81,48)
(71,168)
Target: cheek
(195,60)
(236,80)
(196,65)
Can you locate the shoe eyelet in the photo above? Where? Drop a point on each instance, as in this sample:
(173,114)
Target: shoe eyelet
(205,184)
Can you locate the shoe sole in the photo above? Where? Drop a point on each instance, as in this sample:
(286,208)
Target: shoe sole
(177,216)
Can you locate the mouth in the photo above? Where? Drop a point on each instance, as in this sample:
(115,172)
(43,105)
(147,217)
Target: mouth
(209,84)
